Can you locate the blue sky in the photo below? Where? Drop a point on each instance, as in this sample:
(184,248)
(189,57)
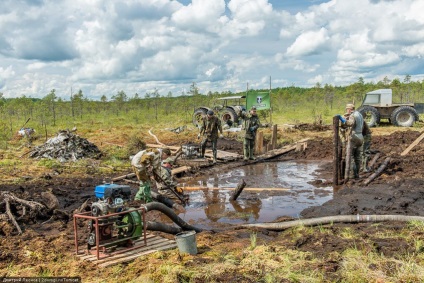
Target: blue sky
(105,46)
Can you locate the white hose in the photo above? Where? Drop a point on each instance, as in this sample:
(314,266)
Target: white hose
(333,219)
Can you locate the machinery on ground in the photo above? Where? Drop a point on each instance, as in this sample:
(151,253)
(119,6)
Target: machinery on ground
(228,109)
(378,105)
(110,223)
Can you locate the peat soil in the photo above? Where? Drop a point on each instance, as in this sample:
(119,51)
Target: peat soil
(398,190)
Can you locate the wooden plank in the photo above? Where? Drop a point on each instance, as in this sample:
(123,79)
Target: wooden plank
(171,147)
(84,254)
(405,152)
(280,151)
(232,189)
(153,243)
(180,169)
(133,257)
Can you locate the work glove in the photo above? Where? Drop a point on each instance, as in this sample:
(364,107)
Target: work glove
(221,136)
(343,120)
(198,136)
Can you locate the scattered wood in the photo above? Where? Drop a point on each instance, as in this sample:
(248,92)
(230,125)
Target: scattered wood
(84,207)
(378,172)
(126,176)
(240,186)
(281,151)
(154,243)
(244,189)
(412,145)
(10,198)
(156,138)
(373,161)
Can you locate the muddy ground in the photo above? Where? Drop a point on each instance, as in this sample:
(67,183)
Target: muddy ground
(398,190)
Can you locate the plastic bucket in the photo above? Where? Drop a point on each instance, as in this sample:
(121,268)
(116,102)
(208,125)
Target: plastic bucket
(186,242)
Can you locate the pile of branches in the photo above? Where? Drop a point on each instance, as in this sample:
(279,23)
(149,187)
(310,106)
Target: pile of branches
(14,209)
(66,146)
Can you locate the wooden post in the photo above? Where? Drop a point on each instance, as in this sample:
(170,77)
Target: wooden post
(274,137)
(259,143)
(336,159)
(240,186)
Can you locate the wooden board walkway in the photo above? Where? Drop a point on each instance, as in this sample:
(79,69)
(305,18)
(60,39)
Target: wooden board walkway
(154,243)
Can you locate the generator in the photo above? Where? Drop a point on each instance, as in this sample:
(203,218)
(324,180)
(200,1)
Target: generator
(190,151)
(111,224)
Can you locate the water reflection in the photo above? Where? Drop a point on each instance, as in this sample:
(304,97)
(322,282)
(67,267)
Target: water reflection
(290,194)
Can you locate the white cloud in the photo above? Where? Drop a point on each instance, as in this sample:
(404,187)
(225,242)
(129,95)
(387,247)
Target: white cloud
(103,46)
(310,42)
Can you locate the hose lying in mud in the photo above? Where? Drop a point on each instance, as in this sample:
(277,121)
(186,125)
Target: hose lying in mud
(171,214)
(157,226)
(333,219)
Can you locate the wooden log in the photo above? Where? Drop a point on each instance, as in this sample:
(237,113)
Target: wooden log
(274,137)
(336,159)
(259,143)
(374,159)
(412,145)
(378,172)
(230,189)
(130,175)
(171,147)
(155,137)
(240,186)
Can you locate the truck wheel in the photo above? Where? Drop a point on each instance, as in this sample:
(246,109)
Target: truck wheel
(370,114)
(404,116)
(229,116)
(198,115)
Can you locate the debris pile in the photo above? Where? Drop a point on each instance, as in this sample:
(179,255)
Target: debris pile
(66,146)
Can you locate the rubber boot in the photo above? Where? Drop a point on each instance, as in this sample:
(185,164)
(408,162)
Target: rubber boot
(251,157)
(214,157)
(365,168)
(246,155)
(202,151)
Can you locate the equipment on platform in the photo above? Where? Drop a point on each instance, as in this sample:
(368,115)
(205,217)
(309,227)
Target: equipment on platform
(111,224)
(190,150)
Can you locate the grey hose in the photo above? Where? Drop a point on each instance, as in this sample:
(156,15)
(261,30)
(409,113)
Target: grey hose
(171,214)
(157,226)
(333,219)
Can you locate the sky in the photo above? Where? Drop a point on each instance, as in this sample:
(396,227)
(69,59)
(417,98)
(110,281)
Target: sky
(138,46)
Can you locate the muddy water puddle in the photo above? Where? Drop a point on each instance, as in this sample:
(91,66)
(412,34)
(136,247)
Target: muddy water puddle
(283,189)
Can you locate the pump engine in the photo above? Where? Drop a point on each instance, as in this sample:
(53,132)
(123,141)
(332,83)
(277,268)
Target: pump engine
(116,227)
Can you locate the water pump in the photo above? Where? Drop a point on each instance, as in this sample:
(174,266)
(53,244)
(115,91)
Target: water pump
(118,226)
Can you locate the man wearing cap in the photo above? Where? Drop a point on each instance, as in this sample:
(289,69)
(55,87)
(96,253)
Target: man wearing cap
(250,126)
(355,122)
(209,129)
(166,176)
(146,164)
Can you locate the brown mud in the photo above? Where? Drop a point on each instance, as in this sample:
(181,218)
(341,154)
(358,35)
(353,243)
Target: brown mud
(398,190)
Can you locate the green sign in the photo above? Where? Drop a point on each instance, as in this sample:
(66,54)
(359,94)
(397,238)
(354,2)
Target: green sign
(260,100)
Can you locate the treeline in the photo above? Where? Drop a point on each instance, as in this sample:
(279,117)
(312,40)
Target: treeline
(292,103)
